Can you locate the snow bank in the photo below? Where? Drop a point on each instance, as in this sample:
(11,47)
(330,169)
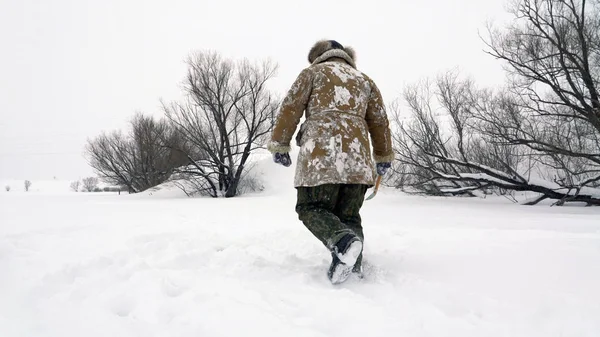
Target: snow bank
(109,265)
(272,178)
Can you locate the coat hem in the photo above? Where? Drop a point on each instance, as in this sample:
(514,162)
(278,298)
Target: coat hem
(335,183)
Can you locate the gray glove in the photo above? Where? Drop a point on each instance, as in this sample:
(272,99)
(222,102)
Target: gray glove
(382,168)
(282,158)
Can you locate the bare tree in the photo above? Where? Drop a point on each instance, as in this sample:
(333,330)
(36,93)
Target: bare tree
(437,143)
(454,143)
(27,185)
(144,158)
(541,135)
(75,185)
(89,183)
(227,115)
(552,54)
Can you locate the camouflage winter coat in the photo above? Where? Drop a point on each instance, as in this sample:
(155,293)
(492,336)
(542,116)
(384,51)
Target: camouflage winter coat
(342,108)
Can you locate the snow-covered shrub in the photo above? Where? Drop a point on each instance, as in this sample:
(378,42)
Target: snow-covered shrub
(75,185)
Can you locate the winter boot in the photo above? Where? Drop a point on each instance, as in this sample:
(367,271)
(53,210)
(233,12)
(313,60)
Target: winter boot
(343,257)
(338,271)
(348,249)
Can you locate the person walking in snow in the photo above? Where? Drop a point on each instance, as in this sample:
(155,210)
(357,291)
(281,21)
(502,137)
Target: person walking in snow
(342,108)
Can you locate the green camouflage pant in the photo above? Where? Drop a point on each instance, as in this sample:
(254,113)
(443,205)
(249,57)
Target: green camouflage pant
(331,211)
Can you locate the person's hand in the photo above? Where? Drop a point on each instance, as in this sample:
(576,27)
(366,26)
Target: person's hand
(382,168)
(282,158)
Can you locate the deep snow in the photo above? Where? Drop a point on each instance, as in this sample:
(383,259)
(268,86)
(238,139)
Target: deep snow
(159,264)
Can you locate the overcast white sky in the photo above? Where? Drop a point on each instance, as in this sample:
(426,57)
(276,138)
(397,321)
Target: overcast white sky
(70,69)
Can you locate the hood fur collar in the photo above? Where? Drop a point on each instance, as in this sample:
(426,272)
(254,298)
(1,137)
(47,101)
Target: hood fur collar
(335,53)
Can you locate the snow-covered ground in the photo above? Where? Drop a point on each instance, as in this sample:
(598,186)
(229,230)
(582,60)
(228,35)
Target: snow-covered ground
(160,264)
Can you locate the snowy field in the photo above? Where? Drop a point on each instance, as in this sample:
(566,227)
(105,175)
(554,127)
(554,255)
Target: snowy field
(100,264)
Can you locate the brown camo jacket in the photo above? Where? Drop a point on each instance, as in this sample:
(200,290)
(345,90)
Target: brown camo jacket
(342,107)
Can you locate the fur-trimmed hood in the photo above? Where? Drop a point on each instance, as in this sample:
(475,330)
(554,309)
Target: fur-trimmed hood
(326,49)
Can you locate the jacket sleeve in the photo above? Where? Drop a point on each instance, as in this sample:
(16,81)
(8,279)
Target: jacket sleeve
(290,113)
(379,127)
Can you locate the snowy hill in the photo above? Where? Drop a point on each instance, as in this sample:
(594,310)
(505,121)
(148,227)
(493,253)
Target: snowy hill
(158,264)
